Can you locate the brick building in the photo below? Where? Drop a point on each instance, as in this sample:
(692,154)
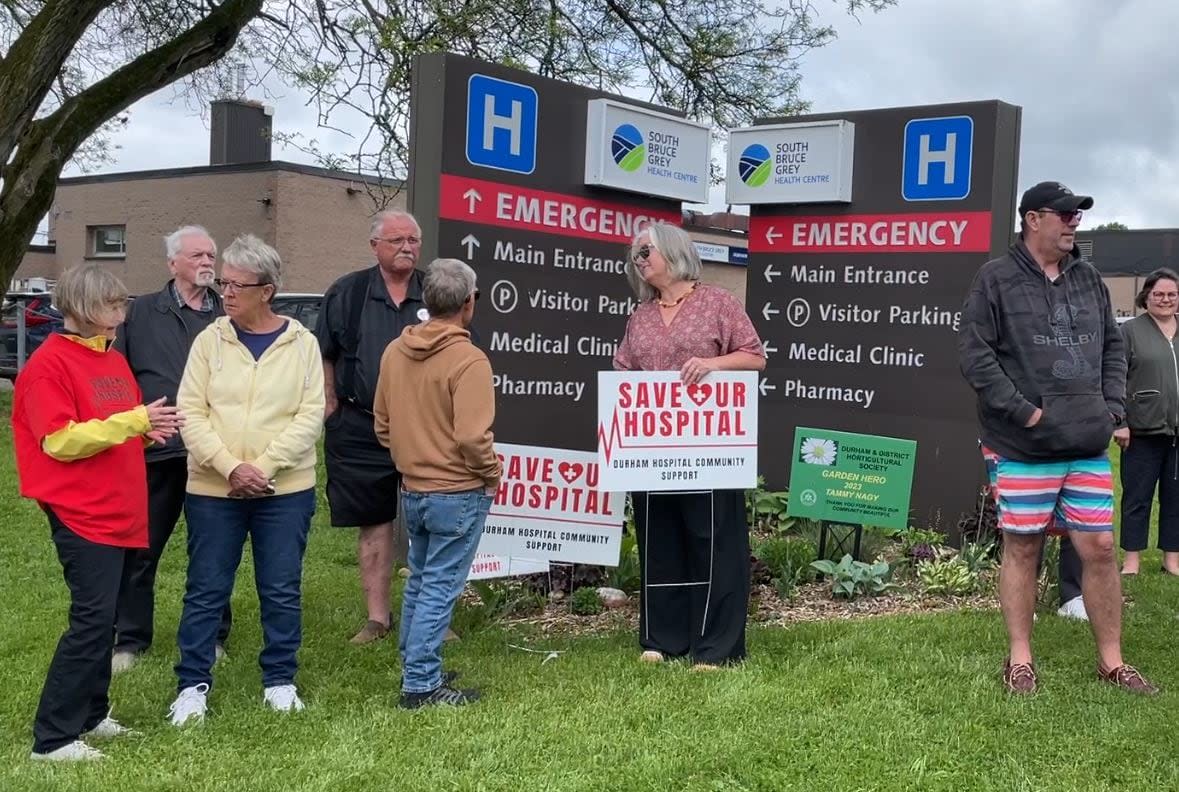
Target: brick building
(317,219)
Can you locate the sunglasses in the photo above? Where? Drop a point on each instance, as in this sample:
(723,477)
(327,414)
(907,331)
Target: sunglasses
(643,253)
(474,296)
(1065,215)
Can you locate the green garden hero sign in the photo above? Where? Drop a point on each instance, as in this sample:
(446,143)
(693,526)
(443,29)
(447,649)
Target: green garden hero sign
(851,478)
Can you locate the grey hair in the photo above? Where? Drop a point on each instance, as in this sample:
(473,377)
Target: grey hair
(250,254)
(85,291)
(173,242)
(673,242)
(447,285)
(380,218)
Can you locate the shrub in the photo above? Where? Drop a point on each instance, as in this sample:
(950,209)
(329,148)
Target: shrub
(586,602)
(626,576)
(979,556)
(498,600)
(915,537)
(850,578)
(765,510)
(950,576)
(787,561)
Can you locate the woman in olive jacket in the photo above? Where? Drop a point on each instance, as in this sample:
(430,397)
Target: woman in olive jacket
(1150,455)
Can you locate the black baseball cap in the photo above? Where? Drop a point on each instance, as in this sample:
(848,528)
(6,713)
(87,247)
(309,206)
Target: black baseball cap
(1052,195)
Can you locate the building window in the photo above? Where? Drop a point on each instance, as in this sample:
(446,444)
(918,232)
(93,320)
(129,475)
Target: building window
(107,241)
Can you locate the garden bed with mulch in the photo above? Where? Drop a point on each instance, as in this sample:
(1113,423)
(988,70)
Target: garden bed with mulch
(812,602)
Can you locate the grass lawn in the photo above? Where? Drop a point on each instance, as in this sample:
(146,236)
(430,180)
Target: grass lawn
(889,703)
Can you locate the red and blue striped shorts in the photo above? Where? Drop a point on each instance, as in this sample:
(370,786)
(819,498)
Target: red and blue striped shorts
(1077,494)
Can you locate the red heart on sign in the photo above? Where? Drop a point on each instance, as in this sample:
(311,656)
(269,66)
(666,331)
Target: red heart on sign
(571,471)
(699,394)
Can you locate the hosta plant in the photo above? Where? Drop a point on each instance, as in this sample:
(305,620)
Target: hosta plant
(850,579)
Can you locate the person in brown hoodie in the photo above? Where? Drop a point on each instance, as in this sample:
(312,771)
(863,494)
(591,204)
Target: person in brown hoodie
(433,410)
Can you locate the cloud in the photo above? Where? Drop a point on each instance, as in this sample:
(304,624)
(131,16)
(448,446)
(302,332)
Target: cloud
(1095,80)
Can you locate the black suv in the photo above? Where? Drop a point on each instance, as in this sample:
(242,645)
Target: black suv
(304,307)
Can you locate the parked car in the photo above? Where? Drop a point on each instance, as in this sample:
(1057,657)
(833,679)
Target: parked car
(41,319)
(304,307)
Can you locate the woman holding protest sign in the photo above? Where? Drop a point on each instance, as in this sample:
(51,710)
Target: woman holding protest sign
(693,545)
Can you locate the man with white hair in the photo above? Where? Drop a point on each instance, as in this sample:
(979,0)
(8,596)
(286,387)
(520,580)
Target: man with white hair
(155,339)
(362,313)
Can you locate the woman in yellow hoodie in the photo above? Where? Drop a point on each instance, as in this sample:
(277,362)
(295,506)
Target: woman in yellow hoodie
(253,394)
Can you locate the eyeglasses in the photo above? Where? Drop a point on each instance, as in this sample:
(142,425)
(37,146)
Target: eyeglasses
(475,295)
(233,286)
(412,241)
(643,252)
(1065,215)
(1161,296)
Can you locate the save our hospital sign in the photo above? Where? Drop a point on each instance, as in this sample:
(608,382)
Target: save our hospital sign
(656,433)
(550,506)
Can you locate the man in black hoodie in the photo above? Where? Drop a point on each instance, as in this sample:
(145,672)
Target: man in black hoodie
(1040,347)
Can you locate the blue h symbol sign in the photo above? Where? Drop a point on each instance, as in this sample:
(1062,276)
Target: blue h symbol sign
(937,159)
(501,124)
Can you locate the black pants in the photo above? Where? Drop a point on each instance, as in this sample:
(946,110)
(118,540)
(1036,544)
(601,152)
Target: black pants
(1150,460)
(74,699)
(1069,571)
(694,564)
(166,482)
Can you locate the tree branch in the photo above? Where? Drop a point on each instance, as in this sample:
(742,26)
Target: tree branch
(34,61)
(45,145)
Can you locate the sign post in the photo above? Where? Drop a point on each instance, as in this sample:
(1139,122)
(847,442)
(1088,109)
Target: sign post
(858,271)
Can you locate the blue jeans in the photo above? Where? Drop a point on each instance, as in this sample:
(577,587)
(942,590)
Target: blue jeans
(444,530)
(217,530)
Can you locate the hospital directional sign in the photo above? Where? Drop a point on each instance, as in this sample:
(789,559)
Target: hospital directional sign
(499,181)
(860,303)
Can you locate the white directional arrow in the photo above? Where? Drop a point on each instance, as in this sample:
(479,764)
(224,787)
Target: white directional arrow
(771,236)
(473,197)
(771,273)
(769,311)
(765,345)
(765,386)
(471,243)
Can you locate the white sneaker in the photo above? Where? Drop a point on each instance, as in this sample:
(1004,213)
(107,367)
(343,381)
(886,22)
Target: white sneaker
(77,751)
(109,727)
(219,654)
(283,698)
(123,661)
(1074,609)
(191,704)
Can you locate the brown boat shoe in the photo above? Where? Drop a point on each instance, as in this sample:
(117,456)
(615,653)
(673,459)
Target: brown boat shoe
(1127,677)
(1019,678)
(371,631)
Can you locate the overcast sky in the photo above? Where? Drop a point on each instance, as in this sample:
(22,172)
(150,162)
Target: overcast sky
(1097,81)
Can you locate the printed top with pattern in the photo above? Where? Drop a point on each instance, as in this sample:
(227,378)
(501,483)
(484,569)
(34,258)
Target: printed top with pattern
(710,323)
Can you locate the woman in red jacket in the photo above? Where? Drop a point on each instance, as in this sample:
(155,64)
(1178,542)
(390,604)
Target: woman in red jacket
(79,429)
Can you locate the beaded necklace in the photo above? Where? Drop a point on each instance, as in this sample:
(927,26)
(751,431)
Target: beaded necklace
(679,299)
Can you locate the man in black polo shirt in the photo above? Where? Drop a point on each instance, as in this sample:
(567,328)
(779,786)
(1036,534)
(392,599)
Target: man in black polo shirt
(155,339)
(362,312)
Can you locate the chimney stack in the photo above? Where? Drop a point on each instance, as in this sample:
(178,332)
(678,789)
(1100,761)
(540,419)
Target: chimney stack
(240,132)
